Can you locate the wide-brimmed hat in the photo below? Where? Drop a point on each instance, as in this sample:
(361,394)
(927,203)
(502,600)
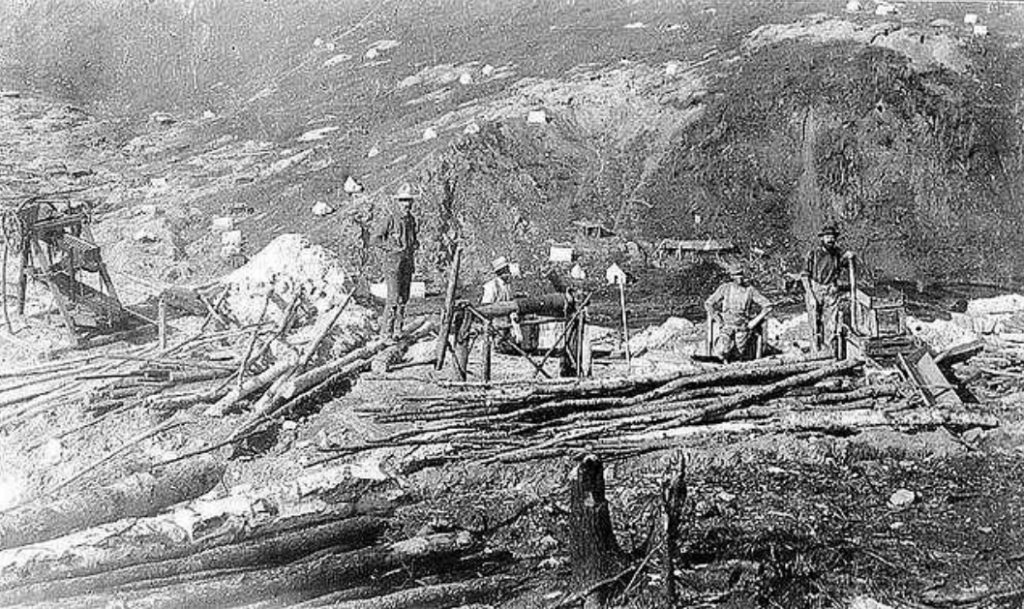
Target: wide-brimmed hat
(405,192)
(829,229)
(499,263)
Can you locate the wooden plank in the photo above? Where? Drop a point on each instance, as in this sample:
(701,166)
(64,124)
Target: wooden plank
(959,353)
(931,382)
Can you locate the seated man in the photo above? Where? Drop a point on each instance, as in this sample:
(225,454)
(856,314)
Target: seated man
(734,315)
(499,289)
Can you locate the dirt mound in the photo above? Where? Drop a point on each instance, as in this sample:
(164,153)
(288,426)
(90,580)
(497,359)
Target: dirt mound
(288,265)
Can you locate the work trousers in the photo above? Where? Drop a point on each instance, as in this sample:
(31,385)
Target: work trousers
(399,269)
(732,343)
(827,310)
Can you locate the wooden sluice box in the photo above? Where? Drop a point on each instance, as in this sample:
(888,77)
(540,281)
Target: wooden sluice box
(878,325)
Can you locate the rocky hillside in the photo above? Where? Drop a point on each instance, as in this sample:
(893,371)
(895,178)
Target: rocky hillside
(658,119)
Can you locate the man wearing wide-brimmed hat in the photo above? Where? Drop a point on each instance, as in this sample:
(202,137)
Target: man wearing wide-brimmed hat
(397,237)
(731,308)
(499,289)
(822,269)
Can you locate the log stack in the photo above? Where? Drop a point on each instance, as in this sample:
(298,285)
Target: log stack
(282,544)
(623,416)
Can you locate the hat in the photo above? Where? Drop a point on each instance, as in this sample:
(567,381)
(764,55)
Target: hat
(499,263)
(829,229)
(405,192)
(734,269)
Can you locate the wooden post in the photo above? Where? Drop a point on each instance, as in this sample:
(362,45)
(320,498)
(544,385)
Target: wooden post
(3,285)
(448,315)
(593,550)
(488,349)
(673,501)
(853,297)
(625,327)
(161,308)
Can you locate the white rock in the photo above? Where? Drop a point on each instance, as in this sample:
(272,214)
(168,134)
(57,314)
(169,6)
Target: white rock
(971,18)
(231,237)
(209,115)
(336,59)
(223,223)
(330,46)
(372,54)
(853,6)
(487,70)
(672,68)
(537,117)
(885,9)
(866,602)
(158,183)
(471,129)
(637,25)
(429,133)
(289,425)
(940,23)
(725,497)
(144,235)
(980,30)
(316,134)
(322,209)
(902,498)
(52,452)
(372,152)
(465,79)
(318,42)
(163,118)
(351,186)
(147,209)
(577,272)
(560,253)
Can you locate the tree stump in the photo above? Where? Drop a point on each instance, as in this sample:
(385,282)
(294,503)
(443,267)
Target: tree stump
(673,500)
(593,549)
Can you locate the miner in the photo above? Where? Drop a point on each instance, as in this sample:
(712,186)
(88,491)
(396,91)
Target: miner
(397,237)
(499,289)
(822,269)
(732,307)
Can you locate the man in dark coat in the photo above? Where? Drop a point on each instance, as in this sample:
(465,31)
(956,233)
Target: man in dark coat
(822,269)
(397,237)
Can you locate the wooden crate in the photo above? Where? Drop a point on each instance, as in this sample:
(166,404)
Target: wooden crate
(880,313)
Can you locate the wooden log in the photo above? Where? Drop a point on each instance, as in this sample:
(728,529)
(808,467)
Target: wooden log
(308,579)
(141,494)
(673,501)
(438,596)
(269,376)
(347,534)
(593,550)
(195,527)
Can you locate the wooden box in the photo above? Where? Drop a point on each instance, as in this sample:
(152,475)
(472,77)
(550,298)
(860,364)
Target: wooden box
(880,313)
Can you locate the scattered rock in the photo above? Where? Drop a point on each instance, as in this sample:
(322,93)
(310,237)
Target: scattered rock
(372,54)
(578,273)
(970,18)
(980,30)
(941,23)
(471,129)
(231,237)
(902,498)
(372,152)
(322,209)
(144,235)
(537,117)
(669,336)
(466,79)
(866,602)
(672,68)
(429,133)
(725,497)
(853,6)
(209,115)
(885,9)
(352,186)
(51,453)
(163,118)
(222,223)
(487,70)
(636,25)
(973,436)
(336,59)
(316,134)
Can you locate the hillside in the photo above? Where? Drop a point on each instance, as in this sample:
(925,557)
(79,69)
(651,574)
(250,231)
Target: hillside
(664,120)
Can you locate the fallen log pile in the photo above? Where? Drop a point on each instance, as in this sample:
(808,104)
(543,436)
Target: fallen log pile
(624,416)
(290,543)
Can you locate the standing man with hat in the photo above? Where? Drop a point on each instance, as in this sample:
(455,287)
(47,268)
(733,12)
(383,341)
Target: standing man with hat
(735,317)
(397,237)
(822,269)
